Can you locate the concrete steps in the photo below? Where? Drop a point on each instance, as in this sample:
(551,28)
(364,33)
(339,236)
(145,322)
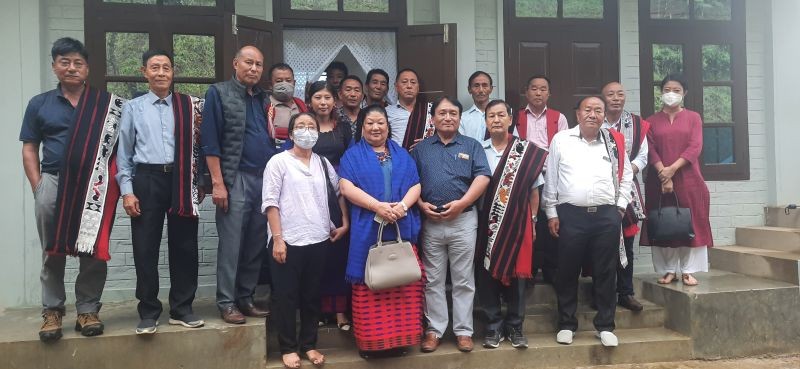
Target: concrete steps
(758,262)
(770,238)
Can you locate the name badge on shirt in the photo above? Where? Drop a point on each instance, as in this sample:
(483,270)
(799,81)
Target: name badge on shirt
(606,158)
(464,156)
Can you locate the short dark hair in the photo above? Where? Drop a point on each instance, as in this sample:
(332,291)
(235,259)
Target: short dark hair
(375,71)
(336,65)
(317,87)
(354,78)
(68,45)
(674,77)
(478,73)
(294,118)
(496,102)
(537,76)
(584,98)
(282,66)
(407,70)
(155,52)
(362,115)
(438,101)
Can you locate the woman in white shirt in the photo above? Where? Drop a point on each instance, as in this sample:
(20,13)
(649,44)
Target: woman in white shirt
(295,200)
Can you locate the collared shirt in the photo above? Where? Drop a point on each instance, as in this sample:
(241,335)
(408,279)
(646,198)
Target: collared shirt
(473,123)
(47,121)
(300,194)
(398,121)
(146,136)
(447,171)
(580,174)
(493,156)
(537,126)
(257,149)
(640,161)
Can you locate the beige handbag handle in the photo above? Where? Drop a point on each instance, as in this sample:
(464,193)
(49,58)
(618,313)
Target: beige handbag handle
(380,234)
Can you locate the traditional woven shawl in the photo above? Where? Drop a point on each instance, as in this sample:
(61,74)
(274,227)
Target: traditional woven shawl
(87,192)
(615,146)
(505,243)
(636,128)
(188,118)
(420,124)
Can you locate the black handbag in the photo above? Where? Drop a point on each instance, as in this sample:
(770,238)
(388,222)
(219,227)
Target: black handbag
(670,223)
(333,201)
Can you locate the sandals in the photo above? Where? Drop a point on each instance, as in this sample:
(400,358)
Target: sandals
(689,280)
(344,327)
(315,357)
(668,278)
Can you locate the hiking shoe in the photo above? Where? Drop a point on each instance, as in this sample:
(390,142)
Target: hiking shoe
(89,324)
(188,321)
(51,328)
(493,339)
(147,326)
(517,339)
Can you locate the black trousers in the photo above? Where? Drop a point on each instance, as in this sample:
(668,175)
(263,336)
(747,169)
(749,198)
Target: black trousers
(295,285)
(154,190)
(545,247)
(584,233)
(625,275)
(491,291)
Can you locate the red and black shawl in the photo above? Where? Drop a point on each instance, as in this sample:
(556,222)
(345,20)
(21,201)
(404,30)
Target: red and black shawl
(630,222)
(417,123)
(188,118)
(505,242)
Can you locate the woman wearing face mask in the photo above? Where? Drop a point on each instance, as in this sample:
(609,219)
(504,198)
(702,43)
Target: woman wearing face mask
(296,204)
(676,141)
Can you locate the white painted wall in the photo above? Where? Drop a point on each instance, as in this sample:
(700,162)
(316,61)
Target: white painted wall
(462,12)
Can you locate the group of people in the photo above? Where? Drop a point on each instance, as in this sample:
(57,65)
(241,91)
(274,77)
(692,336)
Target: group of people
(493,194)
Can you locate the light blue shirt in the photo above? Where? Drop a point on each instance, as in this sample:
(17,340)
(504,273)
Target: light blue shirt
(398,121)
(493,156)
(146,136)
(473,123)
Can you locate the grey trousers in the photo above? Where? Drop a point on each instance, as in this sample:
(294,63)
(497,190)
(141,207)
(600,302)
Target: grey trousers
(452,241)
(92,273)
(242,235)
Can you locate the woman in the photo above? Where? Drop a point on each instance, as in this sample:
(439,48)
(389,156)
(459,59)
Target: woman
(676,141)
(380,178)
(295,200)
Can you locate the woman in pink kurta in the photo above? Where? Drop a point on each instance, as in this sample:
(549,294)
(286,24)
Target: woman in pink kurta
(676,141)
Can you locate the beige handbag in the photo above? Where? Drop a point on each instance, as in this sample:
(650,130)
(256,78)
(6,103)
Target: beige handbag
(391,264)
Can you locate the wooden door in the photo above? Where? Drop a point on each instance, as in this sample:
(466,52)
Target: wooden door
(431,51)
(243,31)
(577,48)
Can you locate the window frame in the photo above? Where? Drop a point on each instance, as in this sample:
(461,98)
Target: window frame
(286,16)
(692,34)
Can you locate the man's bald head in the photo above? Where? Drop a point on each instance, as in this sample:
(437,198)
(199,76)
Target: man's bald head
(613,94)
(248,65)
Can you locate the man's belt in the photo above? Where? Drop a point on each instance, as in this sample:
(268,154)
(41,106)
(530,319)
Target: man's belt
(155,168)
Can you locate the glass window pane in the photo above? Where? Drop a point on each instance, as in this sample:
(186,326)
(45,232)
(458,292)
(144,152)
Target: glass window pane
(319,5)
(583,9)
(131,1)
(656,98)
(716,62)
(537,8)
(194,89)
(367,6)
(194,56)
(127,90)
(666,59)
(712,9)
(124,53)
(669,9)
(718,145)
(717,106)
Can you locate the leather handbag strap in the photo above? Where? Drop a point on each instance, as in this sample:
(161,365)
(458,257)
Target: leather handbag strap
(380,234)
(677,204)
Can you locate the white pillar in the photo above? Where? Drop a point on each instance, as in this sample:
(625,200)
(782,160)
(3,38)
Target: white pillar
(462,12)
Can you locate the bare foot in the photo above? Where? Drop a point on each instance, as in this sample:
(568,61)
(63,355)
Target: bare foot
(342,322)
(667,278)
(315,357)
(291,360)
(689,280)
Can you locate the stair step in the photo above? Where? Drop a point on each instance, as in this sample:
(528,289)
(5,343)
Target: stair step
(635,346)
(770,238)
(757,262)
(777,217)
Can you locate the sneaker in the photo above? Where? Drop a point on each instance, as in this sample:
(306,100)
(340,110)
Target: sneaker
(493,339)
(608,339)
(51,328)
(188,321)
(564,336)
(89,324)
(517,338)
(147,326)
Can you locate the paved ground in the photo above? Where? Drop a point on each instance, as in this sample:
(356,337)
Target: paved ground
(762,362)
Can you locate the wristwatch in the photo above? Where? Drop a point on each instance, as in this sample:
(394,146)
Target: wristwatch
(405,208)
(534,218)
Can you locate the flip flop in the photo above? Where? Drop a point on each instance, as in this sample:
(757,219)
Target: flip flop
(315,357)
(291,364)
(346,326)
(668,278)
(685,278)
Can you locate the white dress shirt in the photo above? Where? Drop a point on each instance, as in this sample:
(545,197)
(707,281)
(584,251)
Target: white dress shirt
(398,121)
(473,123)
(640,161)
(580,173)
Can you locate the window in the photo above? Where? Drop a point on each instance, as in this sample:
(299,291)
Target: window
(704,40)
(325,13)
(586,9)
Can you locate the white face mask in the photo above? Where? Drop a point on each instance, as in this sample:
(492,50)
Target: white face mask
(306,138)
(671,98)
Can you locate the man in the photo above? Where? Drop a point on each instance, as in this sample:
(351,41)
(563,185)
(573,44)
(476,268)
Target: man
(335,73)
(453,173)
(587,188)
(237,146)
(473,122)
(158,174)
(77,158)
(408,117)
(538,123)
(506,227)
(351,96)
(282,103)
(376,88)
(634,129)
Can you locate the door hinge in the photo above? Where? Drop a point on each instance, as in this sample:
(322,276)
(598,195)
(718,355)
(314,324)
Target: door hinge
(446,35)
(234,25)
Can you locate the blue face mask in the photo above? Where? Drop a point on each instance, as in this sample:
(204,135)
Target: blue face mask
(305,138)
